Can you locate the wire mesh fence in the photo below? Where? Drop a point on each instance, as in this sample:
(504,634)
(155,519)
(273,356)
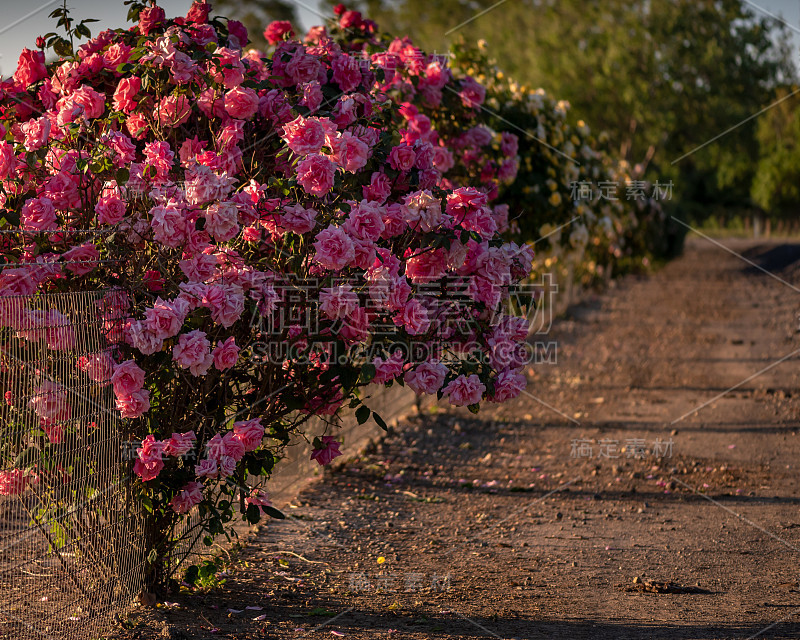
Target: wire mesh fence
(71,543)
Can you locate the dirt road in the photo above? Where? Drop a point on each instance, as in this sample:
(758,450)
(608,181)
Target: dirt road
(644,487)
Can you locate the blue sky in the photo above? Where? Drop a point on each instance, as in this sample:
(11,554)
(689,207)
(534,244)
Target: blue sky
(24,20)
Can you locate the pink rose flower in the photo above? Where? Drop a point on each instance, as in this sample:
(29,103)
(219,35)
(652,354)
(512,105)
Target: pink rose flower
(226,354)
(172,111)
(428,377)
(192,352)
(38,214)
(241,102)
(250,433)
(508,385)
(60,334)
(423,210)
(389,368)
(472,93)
(82,259)
(484,290)
(402,157)
(127,378)
(150,18)
(93,102)
(98,366)
(13,482)
(443,160)
(227,466)
(346,72)
(180,444)
(169,224)
(37,131)
(222,220)
(160,157)
(365,221)
(198,12)
(215,448)
(338,302)
(413,318)
(304,135)
(165,319)
(7,159)
(237,33)
(278,30)
(117,54)
(30,68)
(302,68)
(349,152)
(206,469)
(328,450)
(135,404)
(298,219)
(123,148)
(51,402)
(509,144)
(312,96)
(315,174)
(426,266)
(140,338)
(465,390)
(202,185)
(379,188)
(110,210)
(150,462)
(187,497)
(231,70)
(225,303)
(334,249)
(234,447)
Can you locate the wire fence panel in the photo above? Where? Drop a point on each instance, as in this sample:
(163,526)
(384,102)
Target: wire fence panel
(71,533)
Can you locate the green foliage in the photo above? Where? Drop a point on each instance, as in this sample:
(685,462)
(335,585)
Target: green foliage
(776,187)
(662,78)
(65,46)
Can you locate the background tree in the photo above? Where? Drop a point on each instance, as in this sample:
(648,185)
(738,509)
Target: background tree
(776,187)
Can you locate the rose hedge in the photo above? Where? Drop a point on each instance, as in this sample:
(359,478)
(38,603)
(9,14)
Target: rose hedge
(275,232)
(521,147)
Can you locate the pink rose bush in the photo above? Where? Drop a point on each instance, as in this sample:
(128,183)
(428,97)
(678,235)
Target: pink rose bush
(269,232)
(540,171)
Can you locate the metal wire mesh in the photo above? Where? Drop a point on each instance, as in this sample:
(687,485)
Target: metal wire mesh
(71,544)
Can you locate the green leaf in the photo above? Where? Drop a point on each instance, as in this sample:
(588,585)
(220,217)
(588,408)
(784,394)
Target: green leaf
(253,514)
(12,217)
(272,512)
(379,421)
(368,372)
(147,503)
(192,574)
(122,175)
(474,408)
(362,414)
(62,47)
